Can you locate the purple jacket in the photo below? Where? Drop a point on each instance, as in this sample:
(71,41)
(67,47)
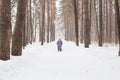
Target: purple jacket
(59,43)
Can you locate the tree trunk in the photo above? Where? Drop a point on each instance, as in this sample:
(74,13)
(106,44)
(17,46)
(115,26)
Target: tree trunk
(100,24)
(48,15)
(52,21)
(43,23)
(106,21)
(82,24)
(31,25)
(118,22)
(76,22)
(5,28)
(18,30)
(86,25)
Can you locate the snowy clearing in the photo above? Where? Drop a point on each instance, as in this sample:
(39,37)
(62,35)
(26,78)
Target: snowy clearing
(73,63)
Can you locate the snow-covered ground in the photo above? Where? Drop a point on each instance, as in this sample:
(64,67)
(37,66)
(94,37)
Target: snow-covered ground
(73,63)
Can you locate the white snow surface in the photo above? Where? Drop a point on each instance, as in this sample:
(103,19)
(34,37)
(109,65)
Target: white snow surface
(73,63)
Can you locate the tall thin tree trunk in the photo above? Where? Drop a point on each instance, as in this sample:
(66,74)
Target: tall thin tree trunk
(5,28)
(76,22)
(106,21)
(82,24)
(118,21)
(90,20)
(48,15)
(43,22)
(109,29)
(52,21)
(86,25)
(100,24)
(96,18)
(31,25)
(17,35)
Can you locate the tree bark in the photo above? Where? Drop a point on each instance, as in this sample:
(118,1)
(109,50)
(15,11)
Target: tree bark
(86,25)
(18,30)
(5,29)
(43,23)
(100,24)
(82,24)
(76,22)
(48,15)
(118,22)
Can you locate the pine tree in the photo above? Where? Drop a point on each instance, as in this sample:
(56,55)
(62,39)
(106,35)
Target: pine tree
(5,29)
(18,30)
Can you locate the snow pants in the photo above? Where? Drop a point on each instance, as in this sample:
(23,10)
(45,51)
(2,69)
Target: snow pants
(59,48)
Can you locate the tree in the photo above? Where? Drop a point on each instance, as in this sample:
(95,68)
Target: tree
(43,23)
(5,29)
(76,22)
(52,19)
(118,21)
(100,24)
(18,30)
(31,25)
(48,18)
(86,25)
(82,24)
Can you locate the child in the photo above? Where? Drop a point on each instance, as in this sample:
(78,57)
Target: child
(59,45)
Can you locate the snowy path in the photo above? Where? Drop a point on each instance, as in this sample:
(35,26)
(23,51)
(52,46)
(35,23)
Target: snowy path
(74,63)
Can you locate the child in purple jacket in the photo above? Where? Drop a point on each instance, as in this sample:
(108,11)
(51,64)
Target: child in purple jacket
(59,45)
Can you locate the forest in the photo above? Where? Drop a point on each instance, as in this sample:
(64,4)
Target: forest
(81,21)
